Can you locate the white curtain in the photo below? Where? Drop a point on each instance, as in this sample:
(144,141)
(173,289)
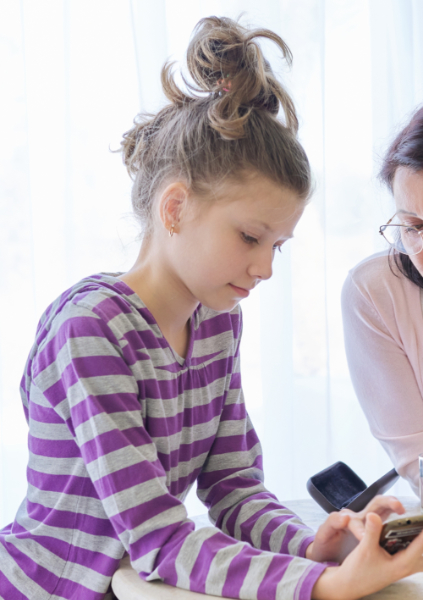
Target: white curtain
(74,74)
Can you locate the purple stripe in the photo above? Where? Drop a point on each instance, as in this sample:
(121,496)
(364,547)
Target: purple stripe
(236,324)
(134,517)
(187,381)
(108,404)
(275,572)
(185,453)
(214,326)
(113,440)
(235,443)
(235,381)
(237,572)
(74,327)
(166,558)
(208,479)
(181,484)
(209,549)
(153,540)
(8,591)
(234,412)
(305,586)
(198,360)
(291,530)
(231,521)
(69,520)
(247,526)
(147,316)
(67,484)
(56,393)
(44,578)
(71,590)
(101,563)
(245,529)
(111,307)
(166,426)
(53,448)
(304,545)
(97,561)
(270,528)
(98,366)
(127,477)
(169,541)
(173,367)
(43,414)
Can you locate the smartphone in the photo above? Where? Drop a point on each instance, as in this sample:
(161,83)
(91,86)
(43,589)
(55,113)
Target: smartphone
(398,534)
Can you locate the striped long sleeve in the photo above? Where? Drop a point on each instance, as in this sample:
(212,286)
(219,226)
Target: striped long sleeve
(120,428)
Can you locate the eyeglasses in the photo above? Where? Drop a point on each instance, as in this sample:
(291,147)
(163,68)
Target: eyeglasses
(404,238)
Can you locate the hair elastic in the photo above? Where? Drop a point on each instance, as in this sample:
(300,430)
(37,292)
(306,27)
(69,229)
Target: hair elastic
(223,80)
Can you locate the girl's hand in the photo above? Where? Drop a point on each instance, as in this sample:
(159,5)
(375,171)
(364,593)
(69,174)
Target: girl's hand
(342,531)
(369,567)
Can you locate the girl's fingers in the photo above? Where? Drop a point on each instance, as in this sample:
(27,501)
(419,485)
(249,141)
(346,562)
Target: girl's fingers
(414,551)
(372,531)
(409,561)
(384,504)
(357,527)
(340,520)
(380,505)
(336,521)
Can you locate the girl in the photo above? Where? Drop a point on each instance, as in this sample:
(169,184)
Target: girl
(132,389)
(382,306)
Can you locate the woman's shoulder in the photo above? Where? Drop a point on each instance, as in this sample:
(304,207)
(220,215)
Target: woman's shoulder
(372,267)
(378,281)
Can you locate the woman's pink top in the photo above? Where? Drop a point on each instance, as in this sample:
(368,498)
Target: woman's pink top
(383,328)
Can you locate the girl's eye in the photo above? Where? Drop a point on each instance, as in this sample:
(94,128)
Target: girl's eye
(278,247)
(248,239)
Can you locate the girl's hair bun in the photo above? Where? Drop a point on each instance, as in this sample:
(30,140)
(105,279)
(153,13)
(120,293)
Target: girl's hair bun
(225,60)
(223,124)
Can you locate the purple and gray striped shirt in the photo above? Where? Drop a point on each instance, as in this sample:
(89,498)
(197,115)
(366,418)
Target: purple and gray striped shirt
(120,428)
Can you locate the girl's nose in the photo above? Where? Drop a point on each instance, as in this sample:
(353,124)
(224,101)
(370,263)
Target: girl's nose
(261,266)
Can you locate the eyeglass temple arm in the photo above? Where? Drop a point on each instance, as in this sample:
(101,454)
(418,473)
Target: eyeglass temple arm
(383,227)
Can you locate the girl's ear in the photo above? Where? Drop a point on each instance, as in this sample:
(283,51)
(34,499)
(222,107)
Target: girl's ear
(172,203)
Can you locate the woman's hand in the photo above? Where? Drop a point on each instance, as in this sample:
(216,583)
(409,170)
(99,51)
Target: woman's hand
(342,531)
(369,567)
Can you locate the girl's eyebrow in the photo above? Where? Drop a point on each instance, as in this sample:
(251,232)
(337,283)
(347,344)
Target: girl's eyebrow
(268,228)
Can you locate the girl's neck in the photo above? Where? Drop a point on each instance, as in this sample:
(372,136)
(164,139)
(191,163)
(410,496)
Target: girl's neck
(165,297)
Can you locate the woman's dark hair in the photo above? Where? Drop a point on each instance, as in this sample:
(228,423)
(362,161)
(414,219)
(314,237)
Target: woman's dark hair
(405,151)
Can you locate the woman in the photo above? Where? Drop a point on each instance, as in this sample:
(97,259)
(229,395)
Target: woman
(382,312)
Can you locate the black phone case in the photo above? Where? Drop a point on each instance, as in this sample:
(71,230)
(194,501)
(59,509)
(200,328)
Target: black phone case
(338,486)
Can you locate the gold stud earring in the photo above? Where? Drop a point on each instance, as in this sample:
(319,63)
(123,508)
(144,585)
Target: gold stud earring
(172,230)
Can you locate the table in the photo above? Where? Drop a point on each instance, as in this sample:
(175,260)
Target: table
(127,585)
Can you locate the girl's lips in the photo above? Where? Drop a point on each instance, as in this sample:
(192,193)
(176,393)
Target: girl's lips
(240,291)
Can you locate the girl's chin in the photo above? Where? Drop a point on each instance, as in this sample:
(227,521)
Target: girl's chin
(221,307)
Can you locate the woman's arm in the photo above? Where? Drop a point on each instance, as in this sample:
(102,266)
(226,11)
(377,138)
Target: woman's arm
(383,378)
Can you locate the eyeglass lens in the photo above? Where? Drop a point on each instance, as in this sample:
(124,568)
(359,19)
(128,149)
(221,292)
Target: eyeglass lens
(404,239)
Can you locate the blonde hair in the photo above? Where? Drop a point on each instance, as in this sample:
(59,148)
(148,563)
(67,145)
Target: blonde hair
(225,124)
